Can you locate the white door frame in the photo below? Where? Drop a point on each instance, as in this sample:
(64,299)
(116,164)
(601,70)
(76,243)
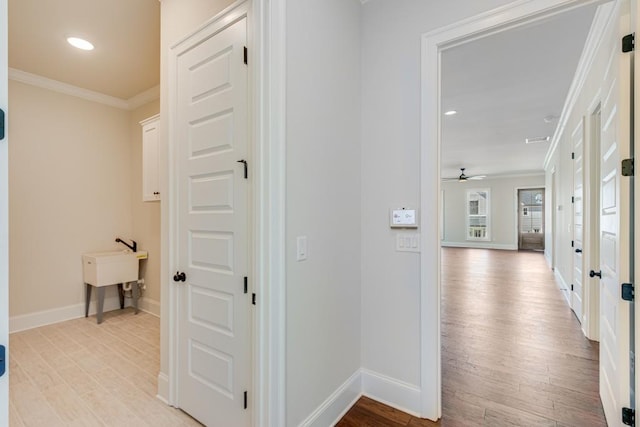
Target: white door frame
(517,211)
(266,42)
(4,215)
(433,44)
(591,251)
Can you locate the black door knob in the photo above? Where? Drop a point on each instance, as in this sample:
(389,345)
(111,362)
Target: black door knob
(179,277)
(578,251)
(595,273)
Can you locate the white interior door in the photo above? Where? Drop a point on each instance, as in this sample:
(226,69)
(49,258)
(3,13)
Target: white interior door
(213,355)
(577,290)
(614,227)
(4,219)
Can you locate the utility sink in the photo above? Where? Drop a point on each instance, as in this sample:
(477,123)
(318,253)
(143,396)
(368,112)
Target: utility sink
(111,267)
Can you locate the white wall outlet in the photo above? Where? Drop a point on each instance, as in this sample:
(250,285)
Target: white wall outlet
(301,248)
(408,242)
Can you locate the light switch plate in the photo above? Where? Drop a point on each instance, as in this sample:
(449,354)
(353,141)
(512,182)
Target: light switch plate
(301,248)
(406,242)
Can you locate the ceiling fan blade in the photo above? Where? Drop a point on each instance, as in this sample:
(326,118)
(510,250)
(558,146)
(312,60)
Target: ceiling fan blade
(477,177)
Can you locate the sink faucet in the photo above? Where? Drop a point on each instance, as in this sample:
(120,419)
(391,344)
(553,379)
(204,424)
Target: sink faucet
(133,247)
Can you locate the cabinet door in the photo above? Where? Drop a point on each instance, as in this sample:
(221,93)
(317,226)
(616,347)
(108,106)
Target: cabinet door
(150,166)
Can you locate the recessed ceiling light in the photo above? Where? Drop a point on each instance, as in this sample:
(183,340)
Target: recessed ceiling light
(451,113)
(80,43)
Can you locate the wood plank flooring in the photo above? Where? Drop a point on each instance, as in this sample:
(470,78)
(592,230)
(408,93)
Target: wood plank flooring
(78,373)
(513,353)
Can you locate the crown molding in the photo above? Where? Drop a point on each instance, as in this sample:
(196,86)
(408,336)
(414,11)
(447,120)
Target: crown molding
(143,98)
(602,22)
(89,95)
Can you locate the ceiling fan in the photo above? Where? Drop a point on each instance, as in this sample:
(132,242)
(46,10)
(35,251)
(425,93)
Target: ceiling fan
(464,178)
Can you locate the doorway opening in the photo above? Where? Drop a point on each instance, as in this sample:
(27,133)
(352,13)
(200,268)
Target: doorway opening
(531,219)
(433,167)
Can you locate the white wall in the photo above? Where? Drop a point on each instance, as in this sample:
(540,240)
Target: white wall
(323,200)
(391,32)
(503,201)
(70,193)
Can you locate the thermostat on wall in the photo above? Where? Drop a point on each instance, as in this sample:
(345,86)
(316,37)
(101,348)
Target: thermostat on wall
(404,218)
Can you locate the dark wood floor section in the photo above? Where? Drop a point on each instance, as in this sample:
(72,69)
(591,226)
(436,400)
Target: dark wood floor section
(513,353)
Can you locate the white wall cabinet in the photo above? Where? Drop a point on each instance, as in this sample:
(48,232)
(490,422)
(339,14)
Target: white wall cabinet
(150,159)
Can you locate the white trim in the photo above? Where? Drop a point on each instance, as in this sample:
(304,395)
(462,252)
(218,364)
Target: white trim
(163,388)
(562,286)
(481,245)
(591,47)
(86,94)
(150,306)
(4,216)
(143,98)
(75,311)
(337,404)
(268,77)
(433,43)
(398,394)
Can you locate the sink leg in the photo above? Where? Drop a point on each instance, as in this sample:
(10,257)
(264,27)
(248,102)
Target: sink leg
(121,295)
(100,303)
(135,291)
(87,292)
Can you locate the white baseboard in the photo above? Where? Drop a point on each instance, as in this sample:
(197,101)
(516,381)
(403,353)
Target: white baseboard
(562,285)
(163,387)
(56,315)
(150,306)
(336,405)
(398,394)
(480,245)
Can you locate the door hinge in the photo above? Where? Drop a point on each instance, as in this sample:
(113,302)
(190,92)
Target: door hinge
(573,200)
(572,286)
(3,359)
(572,243)
(628,43)
(245,400)
(246,56)
(253,299)
(627,292)
(628,416)
(1,124)
(573,156)
(246,284)
(627,167)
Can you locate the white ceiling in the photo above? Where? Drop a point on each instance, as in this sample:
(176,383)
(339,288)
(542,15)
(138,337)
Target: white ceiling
(503,86)
(126,35)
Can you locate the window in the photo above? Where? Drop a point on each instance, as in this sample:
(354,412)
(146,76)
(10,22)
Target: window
(478,221)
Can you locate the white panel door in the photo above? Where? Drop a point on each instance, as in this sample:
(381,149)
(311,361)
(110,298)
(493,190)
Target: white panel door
(4,219)
(577,290)
(614,230)
(214,352)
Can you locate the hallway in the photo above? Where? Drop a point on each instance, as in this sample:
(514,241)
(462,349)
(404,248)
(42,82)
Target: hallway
(512,350)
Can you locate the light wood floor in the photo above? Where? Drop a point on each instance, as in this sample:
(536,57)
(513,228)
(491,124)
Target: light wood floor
(512,351)
(78,373)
